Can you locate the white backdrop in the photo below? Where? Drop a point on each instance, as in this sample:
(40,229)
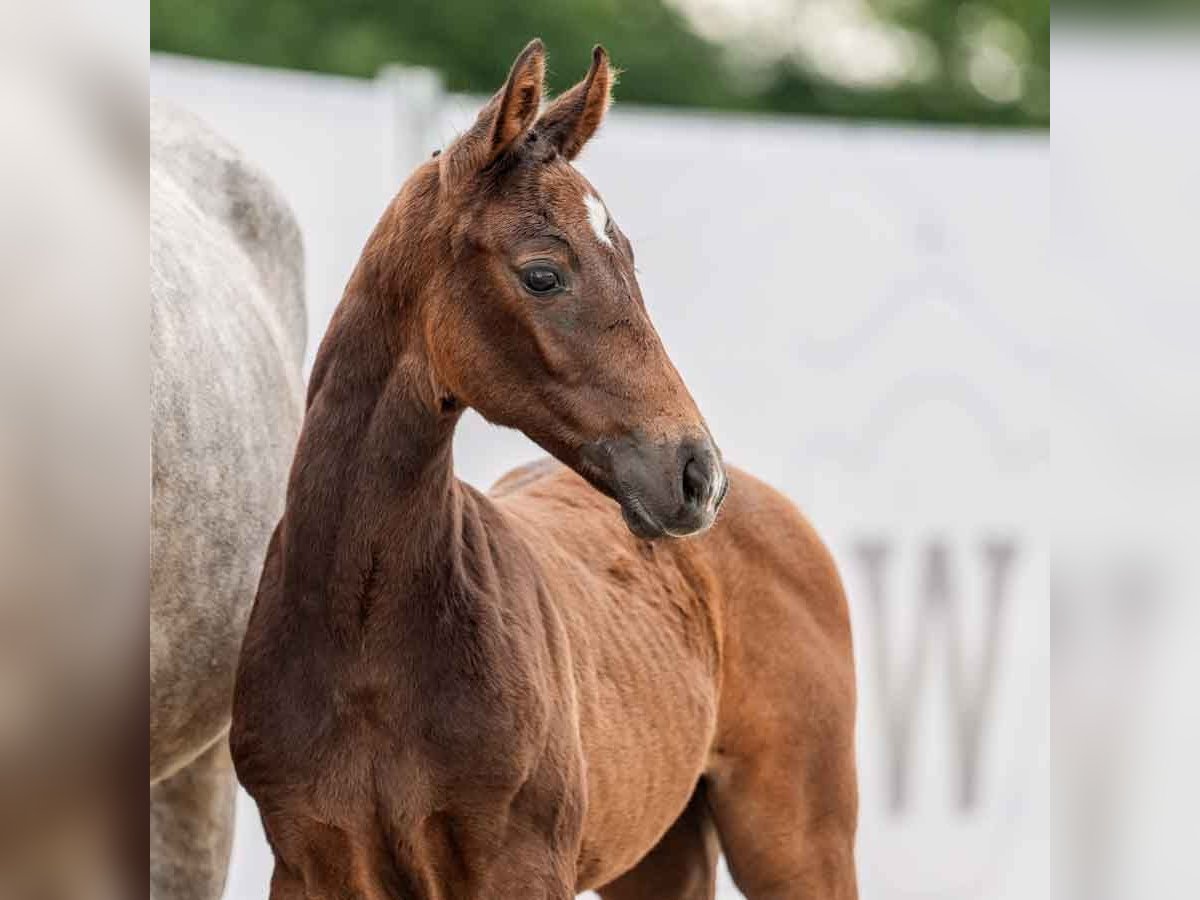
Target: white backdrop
(863,314)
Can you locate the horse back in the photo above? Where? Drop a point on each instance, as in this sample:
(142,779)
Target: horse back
(227,339)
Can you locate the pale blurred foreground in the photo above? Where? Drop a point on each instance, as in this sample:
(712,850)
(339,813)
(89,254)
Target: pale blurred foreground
(1125,584)
(74,454)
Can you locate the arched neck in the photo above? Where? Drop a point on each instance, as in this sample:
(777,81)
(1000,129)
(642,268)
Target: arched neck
(373,478)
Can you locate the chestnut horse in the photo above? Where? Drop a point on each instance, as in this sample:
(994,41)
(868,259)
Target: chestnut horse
(450,695)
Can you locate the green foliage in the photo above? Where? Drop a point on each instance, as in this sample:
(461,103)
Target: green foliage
(472,43)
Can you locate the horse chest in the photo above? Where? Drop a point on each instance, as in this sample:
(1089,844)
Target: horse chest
(453,765)
(463,698)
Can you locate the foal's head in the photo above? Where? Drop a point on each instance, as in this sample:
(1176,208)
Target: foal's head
(535,317)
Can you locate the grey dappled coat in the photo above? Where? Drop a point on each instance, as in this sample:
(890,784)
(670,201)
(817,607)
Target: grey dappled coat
(227,339)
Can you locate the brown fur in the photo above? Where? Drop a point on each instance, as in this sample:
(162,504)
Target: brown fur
(451,695)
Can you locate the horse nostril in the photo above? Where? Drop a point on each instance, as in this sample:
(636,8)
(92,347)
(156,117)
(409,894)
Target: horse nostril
(696,484)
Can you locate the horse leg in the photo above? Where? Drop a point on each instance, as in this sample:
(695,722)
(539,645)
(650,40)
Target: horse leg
(782,779)
(777,846)
(285,886)
(191,828)
(681,866)
(532,872)
(786,807)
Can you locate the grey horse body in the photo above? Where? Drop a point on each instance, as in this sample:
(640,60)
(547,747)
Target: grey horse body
(227,338)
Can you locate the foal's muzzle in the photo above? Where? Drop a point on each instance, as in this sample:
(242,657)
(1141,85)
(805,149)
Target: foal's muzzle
(665,488)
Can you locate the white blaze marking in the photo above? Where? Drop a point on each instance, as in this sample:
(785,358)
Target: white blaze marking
(597,217)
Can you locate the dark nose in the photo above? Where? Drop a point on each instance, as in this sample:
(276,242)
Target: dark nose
(703,481)
(665,488)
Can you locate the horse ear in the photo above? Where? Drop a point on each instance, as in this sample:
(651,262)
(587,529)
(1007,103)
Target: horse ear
(506,118)
(571,120)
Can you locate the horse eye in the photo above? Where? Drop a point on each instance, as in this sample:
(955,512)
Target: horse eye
(541,279)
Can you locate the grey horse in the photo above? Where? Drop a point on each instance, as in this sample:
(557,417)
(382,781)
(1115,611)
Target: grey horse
(227,340)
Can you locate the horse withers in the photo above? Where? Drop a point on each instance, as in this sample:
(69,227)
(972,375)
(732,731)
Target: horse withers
(526,694)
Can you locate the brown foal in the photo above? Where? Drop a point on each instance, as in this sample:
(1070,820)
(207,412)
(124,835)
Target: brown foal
(446,695)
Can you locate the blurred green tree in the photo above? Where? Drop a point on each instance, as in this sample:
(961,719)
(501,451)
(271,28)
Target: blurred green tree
(928,60)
